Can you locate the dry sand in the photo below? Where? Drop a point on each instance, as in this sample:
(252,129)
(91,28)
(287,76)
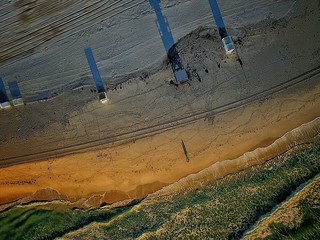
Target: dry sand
(141,167)
(291,141)
(273,52)
(42,42)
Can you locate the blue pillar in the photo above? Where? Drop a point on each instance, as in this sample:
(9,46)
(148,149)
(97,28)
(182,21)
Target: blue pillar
(168,43)
(94,70)
(218,18)
(3,93)
(14,90)
(163,26)
(226,40)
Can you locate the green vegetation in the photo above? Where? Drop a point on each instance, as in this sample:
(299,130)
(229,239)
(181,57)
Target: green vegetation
(308,229)
(40,223)
(222,209)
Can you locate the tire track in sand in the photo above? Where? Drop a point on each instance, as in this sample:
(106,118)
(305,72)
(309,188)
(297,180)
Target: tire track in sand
(158,128)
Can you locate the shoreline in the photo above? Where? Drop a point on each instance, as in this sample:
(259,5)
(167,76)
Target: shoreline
(272,53)
(152,182)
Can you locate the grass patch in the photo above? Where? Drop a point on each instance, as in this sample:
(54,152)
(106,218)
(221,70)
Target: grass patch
(222,209)
(308,229)
(37,223)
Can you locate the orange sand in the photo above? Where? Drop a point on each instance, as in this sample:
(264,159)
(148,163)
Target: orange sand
(135,169)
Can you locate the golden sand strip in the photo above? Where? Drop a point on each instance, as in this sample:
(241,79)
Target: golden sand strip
(290,141)
(135,169)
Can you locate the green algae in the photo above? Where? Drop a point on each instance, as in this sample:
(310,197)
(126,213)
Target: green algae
(222,209)
(37,223)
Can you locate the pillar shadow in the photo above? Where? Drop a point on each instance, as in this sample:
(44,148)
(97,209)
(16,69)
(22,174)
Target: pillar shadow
(168,43)
(226,39)
(3,93)
(94,70)
(218,18)
(14,90)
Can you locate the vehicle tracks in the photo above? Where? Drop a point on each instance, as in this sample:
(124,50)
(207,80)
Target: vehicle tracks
(158,128)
